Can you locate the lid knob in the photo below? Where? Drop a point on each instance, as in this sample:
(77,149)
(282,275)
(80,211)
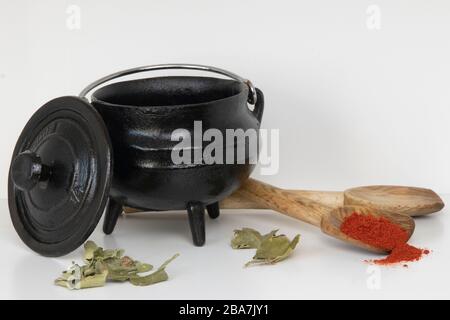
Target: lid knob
(27,170)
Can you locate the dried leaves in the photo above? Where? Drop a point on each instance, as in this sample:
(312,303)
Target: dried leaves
(246,239)
(270,248)
(102,265)
(155,277)
(274,249)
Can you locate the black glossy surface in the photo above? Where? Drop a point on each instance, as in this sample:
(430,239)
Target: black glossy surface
(112,213)
(141,116)
(60,176)
(62,172)
(213,210)
(27,170)
(196,214)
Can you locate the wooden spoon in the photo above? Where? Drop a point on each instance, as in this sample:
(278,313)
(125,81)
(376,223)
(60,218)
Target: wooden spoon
(324,209)
(317,214)
(400,199)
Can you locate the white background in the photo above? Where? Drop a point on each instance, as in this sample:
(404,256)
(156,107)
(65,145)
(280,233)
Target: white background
(320,268)
(354,106)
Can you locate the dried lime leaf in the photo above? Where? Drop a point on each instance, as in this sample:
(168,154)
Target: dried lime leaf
(274,249)
(127,262)
(89,249)
(121,276)
(61,282)
(89,270)
(117,272)
(102,265)
(74,278)
(143,267)
(112,253)
(96,280)
(124,268)
(246,238)
(155,277)
(73,283)
(73,270)
(270,234)
(70,277)
(249,238)
(101,254)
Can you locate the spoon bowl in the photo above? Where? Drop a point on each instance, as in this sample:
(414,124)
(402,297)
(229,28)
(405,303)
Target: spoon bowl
(331,223)
(412,201)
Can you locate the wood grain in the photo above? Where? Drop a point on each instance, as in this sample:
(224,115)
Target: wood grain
(407,200)
(412,201)
(284,202)
(237,200)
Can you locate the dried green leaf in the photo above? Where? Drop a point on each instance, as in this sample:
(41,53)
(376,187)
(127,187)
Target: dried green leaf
(96,280)
(127,262)
(74,278)
(88,270)
(116,265)
(274,249)
(61,282)
(74,283)
(143,267)
(102,265)
(101,254)
(249,238)
(120,273)
(271,234)
(122,269)
(246,238)
(73,270)
(71,277)
(112,253)
(89,248)
(158,276)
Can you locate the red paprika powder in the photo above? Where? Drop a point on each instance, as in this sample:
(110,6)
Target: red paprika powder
(381,233)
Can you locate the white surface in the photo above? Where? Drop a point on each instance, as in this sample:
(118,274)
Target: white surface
(321,267)
(354,106)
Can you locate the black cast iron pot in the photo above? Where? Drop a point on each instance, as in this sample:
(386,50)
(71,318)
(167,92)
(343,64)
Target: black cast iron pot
(75,158)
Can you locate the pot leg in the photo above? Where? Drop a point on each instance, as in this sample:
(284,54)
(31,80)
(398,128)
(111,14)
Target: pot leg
(196,213)
(113,211)
(213,210)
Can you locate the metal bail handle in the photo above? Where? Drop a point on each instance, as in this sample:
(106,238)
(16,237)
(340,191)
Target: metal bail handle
(252,98)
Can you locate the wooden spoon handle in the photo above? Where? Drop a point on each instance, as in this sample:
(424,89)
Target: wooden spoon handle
(284,201)
(237,200)
(308,206)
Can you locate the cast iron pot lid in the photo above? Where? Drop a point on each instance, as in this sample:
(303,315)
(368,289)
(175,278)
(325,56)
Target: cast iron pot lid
(60,176)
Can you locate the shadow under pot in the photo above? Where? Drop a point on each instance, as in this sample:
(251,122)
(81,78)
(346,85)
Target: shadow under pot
(163,143)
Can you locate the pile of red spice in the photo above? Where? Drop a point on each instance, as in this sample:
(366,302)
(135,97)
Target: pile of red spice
(381,233)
